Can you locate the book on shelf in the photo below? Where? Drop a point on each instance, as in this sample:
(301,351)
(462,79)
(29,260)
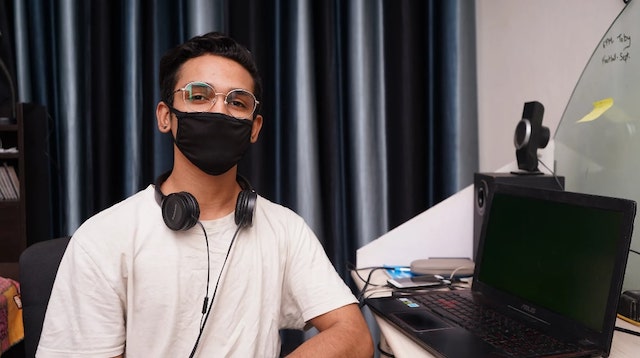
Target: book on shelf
(9,183)
(5,191)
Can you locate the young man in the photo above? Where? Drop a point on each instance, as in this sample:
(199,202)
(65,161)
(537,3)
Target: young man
(198,264)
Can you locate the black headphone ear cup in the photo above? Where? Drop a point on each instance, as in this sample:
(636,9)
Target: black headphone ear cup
(245,206)
(180,211)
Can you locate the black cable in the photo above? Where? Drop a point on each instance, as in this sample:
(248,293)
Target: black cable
(215,290)
(350,267)
(367,282)
(634,251)
(628,331)
(364,289)
(395,291)
(206,292)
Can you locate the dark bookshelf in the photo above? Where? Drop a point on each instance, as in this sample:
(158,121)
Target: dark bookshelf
(26,219)
(12,213)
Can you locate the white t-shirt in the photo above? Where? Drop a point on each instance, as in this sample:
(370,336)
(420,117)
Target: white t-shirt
(127,283)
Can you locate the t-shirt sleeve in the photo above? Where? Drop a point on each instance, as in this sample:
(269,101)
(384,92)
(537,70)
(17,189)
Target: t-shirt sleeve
(313,287)
(82,319)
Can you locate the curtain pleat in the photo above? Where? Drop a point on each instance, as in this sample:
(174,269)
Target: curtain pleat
(77,169)
(365,119)
(303,156)
(331,130)
(107,126)
(204,16)
(162,30)
(407,130)
(458,145)
(131,93)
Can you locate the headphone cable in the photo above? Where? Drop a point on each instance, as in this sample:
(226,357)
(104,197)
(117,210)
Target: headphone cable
(206,292)
(205,317)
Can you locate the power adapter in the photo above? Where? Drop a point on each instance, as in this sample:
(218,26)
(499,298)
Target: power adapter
(629,304)
(443,266)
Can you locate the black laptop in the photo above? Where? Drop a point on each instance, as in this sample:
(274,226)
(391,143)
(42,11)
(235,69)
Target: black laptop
(548,276)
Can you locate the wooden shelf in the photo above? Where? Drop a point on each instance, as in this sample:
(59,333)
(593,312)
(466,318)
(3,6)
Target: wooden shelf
(6,156)
(8,127)
(13,238)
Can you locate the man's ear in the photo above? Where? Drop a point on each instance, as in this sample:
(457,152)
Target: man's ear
(255,130)
(163,117)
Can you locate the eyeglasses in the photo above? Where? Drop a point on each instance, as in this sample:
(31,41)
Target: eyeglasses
(201,97)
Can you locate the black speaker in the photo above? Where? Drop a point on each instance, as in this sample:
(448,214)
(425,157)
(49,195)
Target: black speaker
(483,184)
(530,135)
(180,211)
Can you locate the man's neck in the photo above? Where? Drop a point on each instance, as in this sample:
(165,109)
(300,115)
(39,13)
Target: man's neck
(216,195)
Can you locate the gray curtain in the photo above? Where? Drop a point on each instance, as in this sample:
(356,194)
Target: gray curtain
(354,130)
(369,106)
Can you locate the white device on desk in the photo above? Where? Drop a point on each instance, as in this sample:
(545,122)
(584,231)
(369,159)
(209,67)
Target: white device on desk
(415,281)
(433,272)
(447,267)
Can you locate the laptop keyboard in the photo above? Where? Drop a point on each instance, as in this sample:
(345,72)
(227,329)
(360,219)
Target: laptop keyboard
(494,328)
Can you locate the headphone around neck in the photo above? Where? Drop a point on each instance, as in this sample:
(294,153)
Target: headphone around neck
(180,211)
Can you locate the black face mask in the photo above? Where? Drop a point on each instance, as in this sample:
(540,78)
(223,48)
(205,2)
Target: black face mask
(214,142)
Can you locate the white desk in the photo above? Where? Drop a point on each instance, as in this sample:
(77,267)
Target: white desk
(624,345)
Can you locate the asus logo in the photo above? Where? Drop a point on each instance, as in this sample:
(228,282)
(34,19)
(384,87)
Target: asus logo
(528,309)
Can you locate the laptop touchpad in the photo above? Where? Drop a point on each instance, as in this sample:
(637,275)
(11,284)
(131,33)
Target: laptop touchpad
(421,321)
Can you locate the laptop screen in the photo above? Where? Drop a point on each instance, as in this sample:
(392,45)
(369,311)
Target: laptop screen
(553,253)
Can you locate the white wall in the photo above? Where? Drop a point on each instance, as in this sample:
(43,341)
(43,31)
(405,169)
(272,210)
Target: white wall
(531,50)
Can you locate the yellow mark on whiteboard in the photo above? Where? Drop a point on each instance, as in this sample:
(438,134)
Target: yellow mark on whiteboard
(599,107)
